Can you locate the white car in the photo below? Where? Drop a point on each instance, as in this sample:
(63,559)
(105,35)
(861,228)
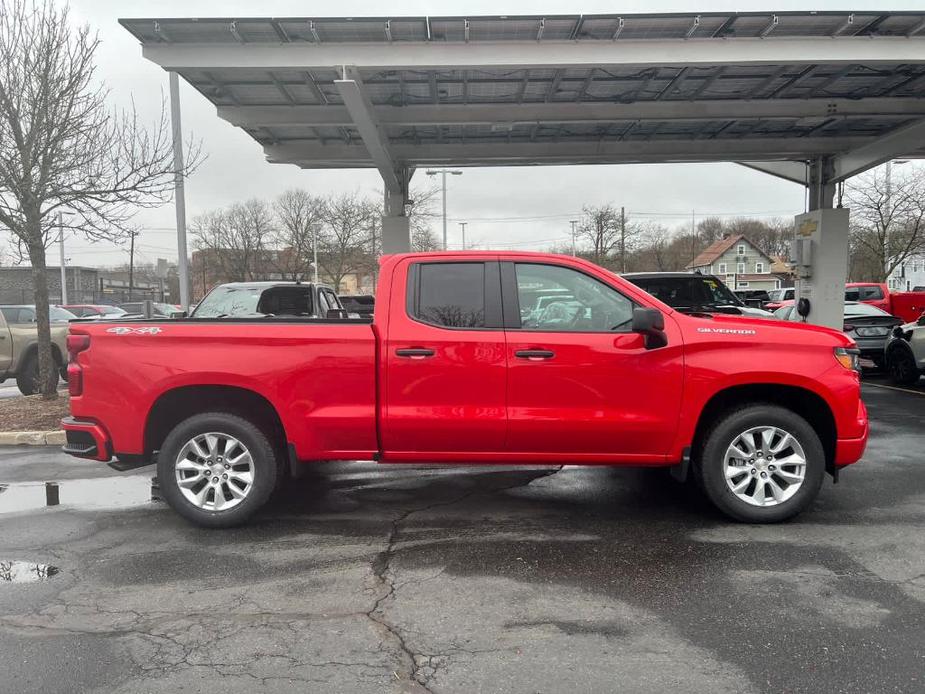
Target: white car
(905,352)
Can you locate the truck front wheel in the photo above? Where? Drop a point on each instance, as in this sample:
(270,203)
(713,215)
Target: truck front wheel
(216,469)
(761,464)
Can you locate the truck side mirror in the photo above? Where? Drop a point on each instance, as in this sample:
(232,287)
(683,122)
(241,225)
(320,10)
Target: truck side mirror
(651,323)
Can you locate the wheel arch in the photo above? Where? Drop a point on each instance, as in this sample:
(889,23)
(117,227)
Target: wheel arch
(804,402)
(176,405)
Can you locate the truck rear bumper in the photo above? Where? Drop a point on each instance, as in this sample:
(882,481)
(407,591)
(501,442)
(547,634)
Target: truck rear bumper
(86,440)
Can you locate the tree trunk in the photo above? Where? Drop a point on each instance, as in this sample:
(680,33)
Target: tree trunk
(48,373)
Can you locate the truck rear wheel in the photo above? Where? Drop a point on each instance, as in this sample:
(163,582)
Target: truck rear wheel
(216,469)
(761,464)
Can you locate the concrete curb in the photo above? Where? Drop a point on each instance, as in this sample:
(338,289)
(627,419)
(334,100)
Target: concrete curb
(32,438)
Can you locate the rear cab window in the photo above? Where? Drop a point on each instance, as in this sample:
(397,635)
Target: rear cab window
(455,295)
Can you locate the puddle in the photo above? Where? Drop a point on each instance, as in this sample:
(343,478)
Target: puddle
(25,572)
(94,494)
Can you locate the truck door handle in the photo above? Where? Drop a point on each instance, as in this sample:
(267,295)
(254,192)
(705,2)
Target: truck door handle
(415,352)
(534,354)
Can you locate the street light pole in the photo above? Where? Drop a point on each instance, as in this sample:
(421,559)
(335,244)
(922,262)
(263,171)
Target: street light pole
(463,227)
(443,173)
(63,271)
(574,224)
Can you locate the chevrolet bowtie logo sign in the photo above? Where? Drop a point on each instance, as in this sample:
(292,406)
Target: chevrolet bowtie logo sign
(808,227)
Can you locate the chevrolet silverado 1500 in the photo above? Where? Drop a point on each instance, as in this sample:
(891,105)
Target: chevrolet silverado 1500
(467,359)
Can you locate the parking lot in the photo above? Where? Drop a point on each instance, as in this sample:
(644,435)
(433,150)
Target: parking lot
(369,579)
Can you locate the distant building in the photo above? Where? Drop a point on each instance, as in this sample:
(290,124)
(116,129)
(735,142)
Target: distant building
(739,263)
(909,274)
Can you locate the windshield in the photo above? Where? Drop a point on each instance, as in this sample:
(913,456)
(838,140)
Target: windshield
(112,311)
(863,310)
(229,301)
(256,301)
(691,292)
(56,314)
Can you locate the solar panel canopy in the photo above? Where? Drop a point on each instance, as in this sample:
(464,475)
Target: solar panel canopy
(404,92)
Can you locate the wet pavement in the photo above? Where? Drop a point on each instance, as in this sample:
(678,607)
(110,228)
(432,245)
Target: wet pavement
(478,579)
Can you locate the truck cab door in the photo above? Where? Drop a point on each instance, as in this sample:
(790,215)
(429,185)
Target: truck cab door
(444,376)
(580,383)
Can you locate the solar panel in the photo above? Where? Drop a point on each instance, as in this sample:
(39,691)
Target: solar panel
(514,91)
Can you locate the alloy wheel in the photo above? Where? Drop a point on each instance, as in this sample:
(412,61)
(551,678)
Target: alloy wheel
(214,471)
(764,466)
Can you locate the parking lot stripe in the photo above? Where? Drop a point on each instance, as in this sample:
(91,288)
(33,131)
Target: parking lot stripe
(903,390)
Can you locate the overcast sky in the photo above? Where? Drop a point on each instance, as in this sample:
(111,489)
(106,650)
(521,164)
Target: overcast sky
(236,169)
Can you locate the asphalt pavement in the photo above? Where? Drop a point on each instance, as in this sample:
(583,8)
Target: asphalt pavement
(365,578)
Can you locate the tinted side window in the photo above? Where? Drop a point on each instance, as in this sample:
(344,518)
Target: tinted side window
(871,293)
(451,294)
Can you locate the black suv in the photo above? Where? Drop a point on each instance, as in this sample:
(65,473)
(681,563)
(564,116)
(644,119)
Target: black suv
(693,293)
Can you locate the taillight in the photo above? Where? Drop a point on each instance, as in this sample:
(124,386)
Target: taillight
(75,375)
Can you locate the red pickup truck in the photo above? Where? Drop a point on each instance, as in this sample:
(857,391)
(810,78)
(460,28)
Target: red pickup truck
(906,305)
(472,357)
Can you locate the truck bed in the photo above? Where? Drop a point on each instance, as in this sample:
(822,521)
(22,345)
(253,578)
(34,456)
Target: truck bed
(323,369)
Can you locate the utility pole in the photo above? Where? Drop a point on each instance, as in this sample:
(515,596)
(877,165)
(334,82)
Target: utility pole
(693,238)
(463,227)
(574,224)
(315,253)
(131,264)
(179,193)
(443,173)
(623,237)
(63,270)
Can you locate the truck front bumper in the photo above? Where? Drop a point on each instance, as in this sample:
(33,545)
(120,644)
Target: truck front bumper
(86,440)
(849,451)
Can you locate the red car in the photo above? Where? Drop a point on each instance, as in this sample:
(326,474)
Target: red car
(468,360)
(906,305)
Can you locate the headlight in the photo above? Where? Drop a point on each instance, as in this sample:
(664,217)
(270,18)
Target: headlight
(847,357)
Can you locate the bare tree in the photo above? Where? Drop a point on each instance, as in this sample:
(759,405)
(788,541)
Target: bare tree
(887,218)
(600,228)
(349,225)
(63,149)
(423,213)
(299,218)
(235,239)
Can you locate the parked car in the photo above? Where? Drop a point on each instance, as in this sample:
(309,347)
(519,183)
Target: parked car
(362,305)
(906,305)
(756,298)
(101,311)
(905,352)
(449,372)
(693,293)
(868,325)
(19,344)
(777,297)
(265,299)
(158,310)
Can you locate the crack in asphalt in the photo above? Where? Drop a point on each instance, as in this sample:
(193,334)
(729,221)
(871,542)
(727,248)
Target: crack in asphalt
(412,668)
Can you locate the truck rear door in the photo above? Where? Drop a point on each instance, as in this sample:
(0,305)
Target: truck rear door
(445,362)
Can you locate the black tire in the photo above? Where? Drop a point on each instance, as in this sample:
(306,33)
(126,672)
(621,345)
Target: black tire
(901,366)
(710,466)
(879,362)
(265,468)
(27,379)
